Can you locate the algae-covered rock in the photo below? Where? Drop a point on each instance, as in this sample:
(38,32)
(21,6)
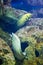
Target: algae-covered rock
(13,19)
(30,53)
(6,55)
(14,13)
(34,51)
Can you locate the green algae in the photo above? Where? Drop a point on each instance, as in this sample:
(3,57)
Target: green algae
(6,61)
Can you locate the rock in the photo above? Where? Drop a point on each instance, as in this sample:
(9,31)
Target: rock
(34,36)
(29,34)
(16,14)
(6,54)
(13,19)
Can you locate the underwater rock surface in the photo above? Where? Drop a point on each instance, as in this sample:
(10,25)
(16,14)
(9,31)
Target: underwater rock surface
(6,55)
(34,36)
(13,19)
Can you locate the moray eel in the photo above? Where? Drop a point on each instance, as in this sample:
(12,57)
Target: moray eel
(16,46)
(23,19)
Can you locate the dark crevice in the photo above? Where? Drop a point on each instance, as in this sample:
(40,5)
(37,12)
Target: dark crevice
(36,53)
(24,45)
(1,61)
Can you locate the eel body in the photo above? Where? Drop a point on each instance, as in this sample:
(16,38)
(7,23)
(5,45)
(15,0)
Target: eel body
(16,46)
(24,18)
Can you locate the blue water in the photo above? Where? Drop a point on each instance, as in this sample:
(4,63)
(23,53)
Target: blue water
(23,5)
